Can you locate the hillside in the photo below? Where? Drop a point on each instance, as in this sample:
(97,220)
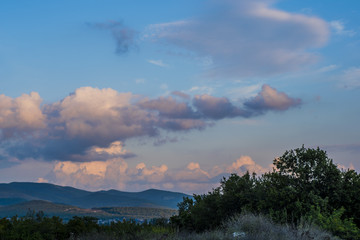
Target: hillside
(18,192)
(50,209)
(67,211)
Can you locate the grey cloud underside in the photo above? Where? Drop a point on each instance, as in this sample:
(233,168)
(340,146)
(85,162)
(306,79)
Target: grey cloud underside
(124,36)
(89,117)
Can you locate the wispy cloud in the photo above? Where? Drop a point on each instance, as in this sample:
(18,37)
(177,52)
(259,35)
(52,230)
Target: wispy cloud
(246,38)
(159,63)
(328,68)
(338,27)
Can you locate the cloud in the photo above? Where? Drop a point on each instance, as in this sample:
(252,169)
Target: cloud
(327,68)
(246,37)
(159,63)
(115,173)
(168,107)
(93,124)
(20,115)
(110,174)
(115,150)
(181,95)
(216,108)
(338,27)
(90,175)
(350,78)
(244,92)
(244,164)
(270,99)
(123,36)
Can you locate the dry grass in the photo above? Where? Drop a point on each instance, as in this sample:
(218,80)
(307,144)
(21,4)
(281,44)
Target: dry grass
(247,227)
(262,228)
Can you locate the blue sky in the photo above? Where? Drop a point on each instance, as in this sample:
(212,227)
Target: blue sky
(173,94)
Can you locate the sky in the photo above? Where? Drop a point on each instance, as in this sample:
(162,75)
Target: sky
(174,95)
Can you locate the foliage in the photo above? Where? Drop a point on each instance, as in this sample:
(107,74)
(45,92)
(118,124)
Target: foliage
(36,226)
(139,212)
(302,181)
(334,222)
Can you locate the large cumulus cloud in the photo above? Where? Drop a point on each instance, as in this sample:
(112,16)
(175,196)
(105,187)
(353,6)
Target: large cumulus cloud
(20,115)
(93,124)
(246,37)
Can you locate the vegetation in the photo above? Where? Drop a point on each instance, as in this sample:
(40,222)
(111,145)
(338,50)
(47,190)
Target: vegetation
(304,197)
(66,212)
(37,227)
(245,226)
(304,186)
(138,212)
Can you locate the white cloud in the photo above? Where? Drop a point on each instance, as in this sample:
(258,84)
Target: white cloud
(327,68)
(91,175)
(115,148)
(22,113)
(247,38)
(201,90)
(159,63)
(244,164)
(338,27)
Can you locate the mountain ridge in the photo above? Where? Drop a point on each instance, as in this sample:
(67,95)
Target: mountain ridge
(17,192)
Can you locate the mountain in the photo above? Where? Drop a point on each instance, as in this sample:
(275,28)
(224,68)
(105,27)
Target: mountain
(20,192)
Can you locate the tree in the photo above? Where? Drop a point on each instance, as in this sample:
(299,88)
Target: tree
(302,180)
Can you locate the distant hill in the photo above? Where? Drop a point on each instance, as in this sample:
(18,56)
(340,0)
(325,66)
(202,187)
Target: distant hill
(66,211)
(20,192)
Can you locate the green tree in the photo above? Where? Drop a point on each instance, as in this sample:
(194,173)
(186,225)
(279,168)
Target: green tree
(302,179)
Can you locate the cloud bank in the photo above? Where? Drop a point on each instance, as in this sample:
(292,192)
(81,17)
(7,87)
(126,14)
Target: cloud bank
(115,173)
(93,124)
(246,37)
(84,135)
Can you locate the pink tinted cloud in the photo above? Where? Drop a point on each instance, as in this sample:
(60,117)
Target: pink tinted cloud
(21,115)
(271,99)
(116,173)
(92,118)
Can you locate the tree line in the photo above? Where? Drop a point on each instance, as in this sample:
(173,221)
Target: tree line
(305,186)
(37,226)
